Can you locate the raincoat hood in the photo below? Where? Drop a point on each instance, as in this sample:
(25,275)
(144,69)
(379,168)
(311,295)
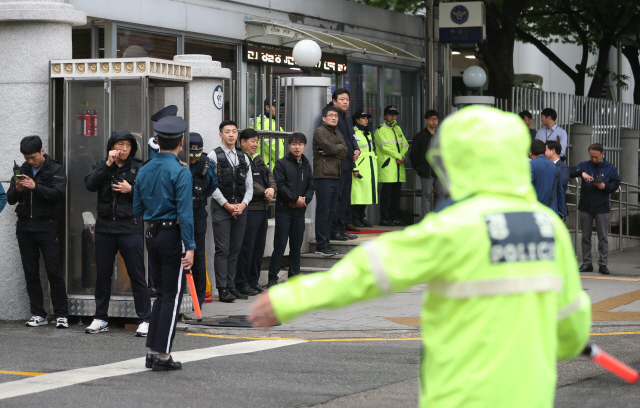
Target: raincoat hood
(123,135)
(482,150)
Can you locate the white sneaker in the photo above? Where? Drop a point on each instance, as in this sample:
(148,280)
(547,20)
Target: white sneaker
(36,321)
(97,326)
(62,323)
(143,329)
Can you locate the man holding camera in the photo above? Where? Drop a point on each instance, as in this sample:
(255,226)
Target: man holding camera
(599,179)
(39,191)
(117,229)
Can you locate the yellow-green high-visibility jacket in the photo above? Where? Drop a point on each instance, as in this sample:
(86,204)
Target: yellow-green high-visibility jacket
(392,146)
(365,190)
(269,153)
(504,298)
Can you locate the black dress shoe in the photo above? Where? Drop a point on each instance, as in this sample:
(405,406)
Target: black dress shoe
(237,294)
(153,293)
(166,365)
(399,223)
(603,270)
(247,290)
(351,227)
(586,268)
(338,237)
(357,224)
(273,283)
(387,223)
(148,362)
(258,288)
(366,223)
(350,236)
(225,296)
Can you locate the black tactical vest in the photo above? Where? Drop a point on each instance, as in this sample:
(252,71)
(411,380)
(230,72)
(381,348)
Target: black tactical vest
(201,182)
(231,180)
(260,175)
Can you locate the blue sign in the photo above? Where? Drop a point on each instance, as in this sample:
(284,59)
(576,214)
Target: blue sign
(459,14)
(218,97)
(462,35)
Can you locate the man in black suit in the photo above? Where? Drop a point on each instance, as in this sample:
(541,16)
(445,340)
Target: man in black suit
(553,153)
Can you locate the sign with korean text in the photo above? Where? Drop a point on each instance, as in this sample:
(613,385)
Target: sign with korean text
(283,56)
(462,23)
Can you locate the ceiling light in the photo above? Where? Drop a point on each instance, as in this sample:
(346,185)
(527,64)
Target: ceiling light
(455,52)
(470,56)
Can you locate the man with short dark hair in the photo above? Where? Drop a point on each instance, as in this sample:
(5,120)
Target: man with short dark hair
(329,149)
(295,191)
(545,177)
(39,191)
(527,117)
(418,155)
(117,230)
(551,131)
(553,153)
(599,179)
(255,234)
(342,223)
(228,209)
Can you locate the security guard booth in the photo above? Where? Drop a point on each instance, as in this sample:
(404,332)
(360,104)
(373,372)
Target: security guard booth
(89,99)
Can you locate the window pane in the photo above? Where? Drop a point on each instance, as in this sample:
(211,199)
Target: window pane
(363,86)
(81,43)
(135,44)
(400,89)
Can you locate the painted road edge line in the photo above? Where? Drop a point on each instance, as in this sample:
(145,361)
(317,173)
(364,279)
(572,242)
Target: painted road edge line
(81,375)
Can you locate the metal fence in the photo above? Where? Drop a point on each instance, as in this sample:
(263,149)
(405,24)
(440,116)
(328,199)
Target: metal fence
(606,117)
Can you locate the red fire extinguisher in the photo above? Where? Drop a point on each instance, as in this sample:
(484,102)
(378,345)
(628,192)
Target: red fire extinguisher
(86,124)
(94,123)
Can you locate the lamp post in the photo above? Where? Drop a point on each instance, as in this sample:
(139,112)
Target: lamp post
(474,78)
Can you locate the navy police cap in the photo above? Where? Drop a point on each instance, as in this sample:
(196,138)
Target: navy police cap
(195,145)
(170,110)
(361,113)
(170,127)
(391,110)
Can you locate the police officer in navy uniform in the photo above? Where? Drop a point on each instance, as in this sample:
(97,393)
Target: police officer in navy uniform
(117,230)
(163,196)
(205,182)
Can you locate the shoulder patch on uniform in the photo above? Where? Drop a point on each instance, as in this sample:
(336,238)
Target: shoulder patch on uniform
(183,163)
(520,237)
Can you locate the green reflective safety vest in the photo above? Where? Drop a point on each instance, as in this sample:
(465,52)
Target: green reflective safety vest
(365,190)
(392,146)
(504,298)
(269,151)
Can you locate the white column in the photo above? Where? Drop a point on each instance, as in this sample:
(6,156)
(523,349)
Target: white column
(205,117)
(31,34)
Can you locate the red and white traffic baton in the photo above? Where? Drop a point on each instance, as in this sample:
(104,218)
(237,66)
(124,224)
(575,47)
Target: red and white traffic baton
(611,364)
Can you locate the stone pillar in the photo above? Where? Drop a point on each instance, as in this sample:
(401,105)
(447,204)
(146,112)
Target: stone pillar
(31,34)
(205,117)
(580,140)
(629,161)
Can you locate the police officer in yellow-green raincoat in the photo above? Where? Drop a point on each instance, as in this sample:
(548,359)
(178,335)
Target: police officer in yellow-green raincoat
(364,189)
(504,299)
(270,152)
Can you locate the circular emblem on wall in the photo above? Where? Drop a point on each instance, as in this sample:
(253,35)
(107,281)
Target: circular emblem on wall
(218,97)
(459,14)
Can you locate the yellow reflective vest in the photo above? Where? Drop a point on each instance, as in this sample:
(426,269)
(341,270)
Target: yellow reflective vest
(504,298)
(391,146)
(365,190)
(269,151)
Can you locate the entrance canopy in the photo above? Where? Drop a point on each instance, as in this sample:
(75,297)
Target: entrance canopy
(254,29)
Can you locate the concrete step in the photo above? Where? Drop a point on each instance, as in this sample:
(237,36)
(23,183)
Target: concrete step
(283,274)
(341,246)
(319,261)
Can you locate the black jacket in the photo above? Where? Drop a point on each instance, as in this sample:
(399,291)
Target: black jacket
(293,180)
(347,134)
(39,209)
(592,199)
(115,210)
(418,156)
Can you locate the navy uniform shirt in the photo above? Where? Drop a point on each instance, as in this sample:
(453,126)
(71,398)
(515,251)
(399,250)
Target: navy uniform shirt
(211,176)
(163,191)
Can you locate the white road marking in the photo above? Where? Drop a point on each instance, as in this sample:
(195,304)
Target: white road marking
(71,377)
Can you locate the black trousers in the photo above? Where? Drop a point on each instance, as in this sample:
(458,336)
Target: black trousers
(288,227)
(327,193)
(199,268)
(31,245)
(343,215)
(253,243)
(358,211)
(165,255)
(130,247)
(390,201)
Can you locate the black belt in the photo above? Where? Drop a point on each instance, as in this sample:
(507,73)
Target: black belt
(164,224)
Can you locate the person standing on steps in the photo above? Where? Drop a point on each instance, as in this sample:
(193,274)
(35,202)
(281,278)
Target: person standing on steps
(364,189)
